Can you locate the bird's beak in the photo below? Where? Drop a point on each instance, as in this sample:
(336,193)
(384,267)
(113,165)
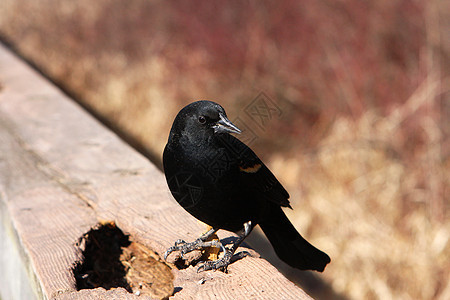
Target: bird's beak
(225,125)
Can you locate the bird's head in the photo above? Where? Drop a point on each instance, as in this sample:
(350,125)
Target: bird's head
(203,118)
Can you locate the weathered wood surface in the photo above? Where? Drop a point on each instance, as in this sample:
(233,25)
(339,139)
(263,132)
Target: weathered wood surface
(61,172)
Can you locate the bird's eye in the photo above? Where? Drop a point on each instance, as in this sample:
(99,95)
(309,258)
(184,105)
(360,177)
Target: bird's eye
(202,119)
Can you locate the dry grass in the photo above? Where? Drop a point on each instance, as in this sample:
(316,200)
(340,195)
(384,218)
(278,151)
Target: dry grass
(379,224)
(362,143)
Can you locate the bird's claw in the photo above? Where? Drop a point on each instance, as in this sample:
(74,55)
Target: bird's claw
(179,242)
(199,244)
(168,251)
(176,247)
(219,264)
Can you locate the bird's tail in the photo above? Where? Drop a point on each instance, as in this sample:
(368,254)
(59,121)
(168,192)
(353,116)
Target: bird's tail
(290,246)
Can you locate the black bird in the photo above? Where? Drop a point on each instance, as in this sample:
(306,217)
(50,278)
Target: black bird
(221,181)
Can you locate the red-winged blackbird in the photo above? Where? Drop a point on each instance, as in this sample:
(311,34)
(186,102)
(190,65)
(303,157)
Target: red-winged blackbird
(221,181)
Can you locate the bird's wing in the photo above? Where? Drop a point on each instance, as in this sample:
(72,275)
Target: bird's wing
(253,174)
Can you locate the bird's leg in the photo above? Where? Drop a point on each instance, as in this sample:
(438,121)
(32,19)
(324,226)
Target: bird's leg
(198,244)
(226,259)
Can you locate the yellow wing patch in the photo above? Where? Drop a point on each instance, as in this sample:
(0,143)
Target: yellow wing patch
(252,169)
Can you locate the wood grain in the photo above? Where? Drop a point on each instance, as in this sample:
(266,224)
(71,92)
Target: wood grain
(62,172)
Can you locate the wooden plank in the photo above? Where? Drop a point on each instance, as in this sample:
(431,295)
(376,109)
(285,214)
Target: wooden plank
(62,172)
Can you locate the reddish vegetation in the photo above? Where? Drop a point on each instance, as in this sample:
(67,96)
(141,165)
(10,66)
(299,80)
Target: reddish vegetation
(363,88)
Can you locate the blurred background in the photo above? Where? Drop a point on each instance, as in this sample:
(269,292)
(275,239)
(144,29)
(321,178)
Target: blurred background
(347,101)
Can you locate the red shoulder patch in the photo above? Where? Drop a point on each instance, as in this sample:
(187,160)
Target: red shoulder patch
(252,169)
